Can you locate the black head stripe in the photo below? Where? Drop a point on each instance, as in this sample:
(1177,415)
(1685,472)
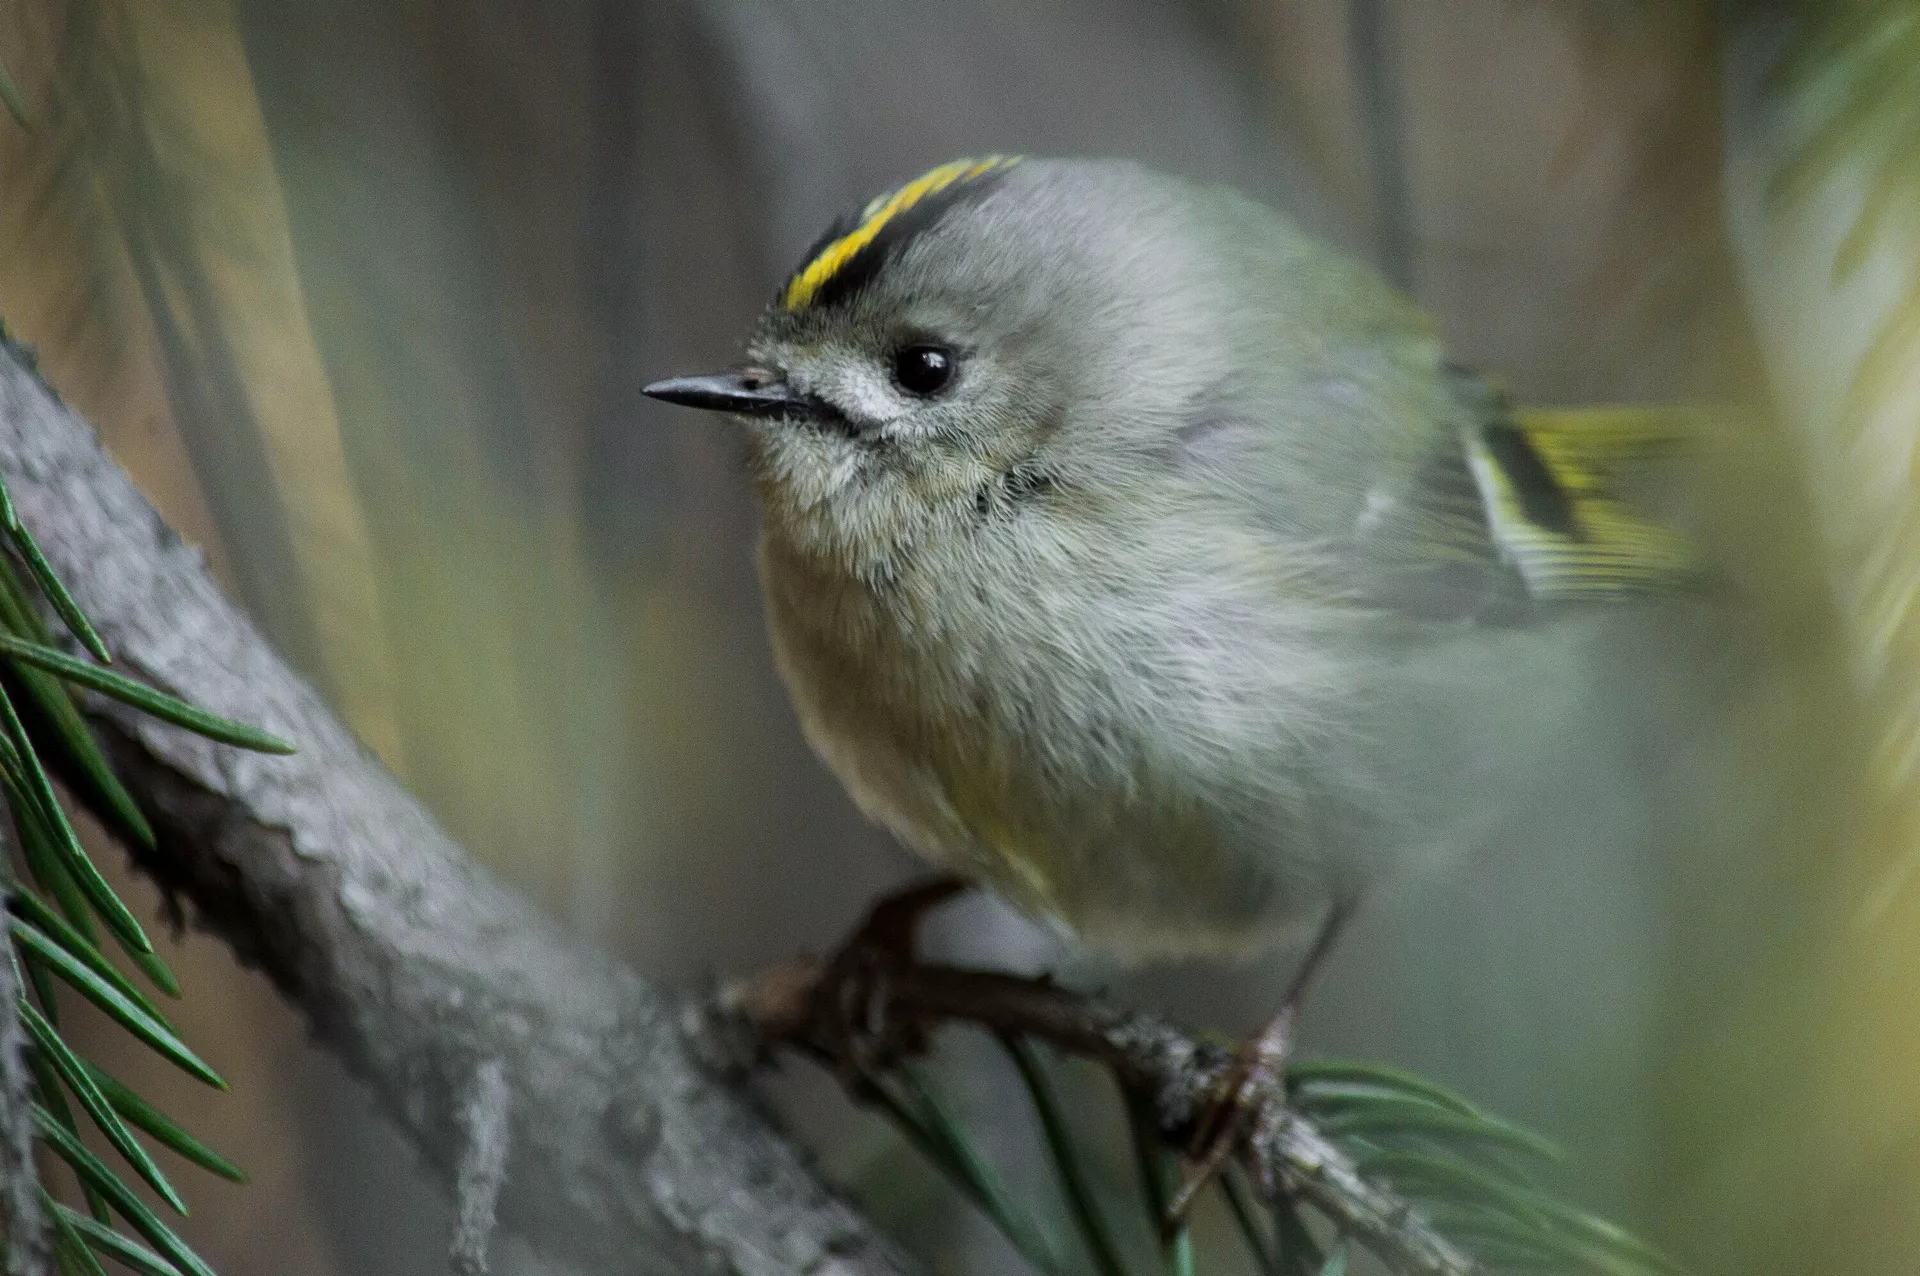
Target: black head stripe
(850,254)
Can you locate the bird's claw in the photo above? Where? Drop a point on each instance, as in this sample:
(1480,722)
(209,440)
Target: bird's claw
(1248,1102)
(853,1024)
(1251,1099)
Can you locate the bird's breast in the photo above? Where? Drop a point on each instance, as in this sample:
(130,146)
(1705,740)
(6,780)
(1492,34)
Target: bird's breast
(1115,737)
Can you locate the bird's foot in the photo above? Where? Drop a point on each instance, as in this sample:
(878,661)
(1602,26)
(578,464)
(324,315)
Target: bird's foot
(1252,1095)
(1246,1107)
(855,1028)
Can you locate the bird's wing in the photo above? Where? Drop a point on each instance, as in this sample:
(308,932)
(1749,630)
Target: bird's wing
(1548,483)
(1513,510)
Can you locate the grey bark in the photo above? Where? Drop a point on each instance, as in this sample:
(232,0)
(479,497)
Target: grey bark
(485,1122)
(410,961)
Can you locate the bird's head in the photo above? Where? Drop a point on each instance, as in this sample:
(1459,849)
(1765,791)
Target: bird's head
(984,334)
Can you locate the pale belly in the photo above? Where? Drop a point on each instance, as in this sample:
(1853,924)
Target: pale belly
(1157,806)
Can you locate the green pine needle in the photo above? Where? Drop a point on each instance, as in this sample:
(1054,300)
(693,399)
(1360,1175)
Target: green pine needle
(1411,1135)
(81,977)
(68,1242)
(1300,1254)
(27,905)
(1245,1216)
(129,1206)
(1424,1174)
(1066,1161)
(156,1123)
(1887,200)
(59,712)
(1390,1116)
(63,604)
(73,856)
(41,980)
(1854,68)
(43,861)
(965,1165)
(1456,1189)
(65,1264)
(157,972)
(140,696)
(1158,1172)
(46,1084)
(918,1132)
(10,95)
(82,1086)
(1502,1241)
(48,580)
(135,1258)
(1327,1075)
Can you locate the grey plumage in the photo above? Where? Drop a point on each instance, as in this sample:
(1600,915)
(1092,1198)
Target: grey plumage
(1171,615)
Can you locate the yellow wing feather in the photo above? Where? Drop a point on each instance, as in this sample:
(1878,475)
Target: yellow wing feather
(1604,548)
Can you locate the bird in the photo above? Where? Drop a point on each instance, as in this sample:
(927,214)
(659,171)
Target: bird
(1133,554)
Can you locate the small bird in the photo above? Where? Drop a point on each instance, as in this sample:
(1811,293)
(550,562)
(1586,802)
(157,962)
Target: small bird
(1133,554)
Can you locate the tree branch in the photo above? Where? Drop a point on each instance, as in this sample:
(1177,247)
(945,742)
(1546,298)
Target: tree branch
(1151,1059)
(411,962)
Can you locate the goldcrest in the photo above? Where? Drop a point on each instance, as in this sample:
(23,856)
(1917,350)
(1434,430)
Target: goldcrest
(1130,552)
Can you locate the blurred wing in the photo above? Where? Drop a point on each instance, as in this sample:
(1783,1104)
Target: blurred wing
(1547,485)
(1519,509)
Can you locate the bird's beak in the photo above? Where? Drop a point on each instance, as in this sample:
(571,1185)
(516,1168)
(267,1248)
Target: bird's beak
(746,391)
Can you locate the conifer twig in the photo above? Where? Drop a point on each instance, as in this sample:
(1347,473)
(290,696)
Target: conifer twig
(1154,1062)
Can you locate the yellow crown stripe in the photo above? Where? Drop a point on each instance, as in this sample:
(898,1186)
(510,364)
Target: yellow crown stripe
(875,217)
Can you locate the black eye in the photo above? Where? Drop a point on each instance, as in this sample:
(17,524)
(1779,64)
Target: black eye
(923,370)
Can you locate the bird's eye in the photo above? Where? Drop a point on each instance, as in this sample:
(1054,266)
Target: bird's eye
(923,370)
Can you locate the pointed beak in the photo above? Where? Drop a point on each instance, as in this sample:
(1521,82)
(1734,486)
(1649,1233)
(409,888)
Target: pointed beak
(746,391)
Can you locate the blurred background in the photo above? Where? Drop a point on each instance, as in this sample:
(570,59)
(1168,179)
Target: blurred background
(363,293)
